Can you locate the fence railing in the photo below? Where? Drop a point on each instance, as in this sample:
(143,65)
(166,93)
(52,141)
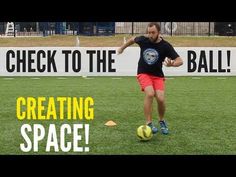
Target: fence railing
(93,28)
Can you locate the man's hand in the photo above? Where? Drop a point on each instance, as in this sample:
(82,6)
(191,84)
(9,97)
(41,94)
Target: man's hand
(168,62)
(120,50)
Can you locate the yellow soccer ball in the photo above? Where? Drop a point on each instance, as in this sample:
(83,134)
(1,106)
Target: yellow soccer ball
(144,133)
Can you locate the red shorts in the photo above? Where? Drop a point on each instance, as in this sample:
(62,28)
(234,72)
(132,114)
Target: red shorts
(149,80)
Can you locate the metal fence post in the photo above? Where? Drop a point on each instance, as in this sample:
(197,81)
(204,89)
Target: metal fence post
(14,23)
(209,29)
(132,28)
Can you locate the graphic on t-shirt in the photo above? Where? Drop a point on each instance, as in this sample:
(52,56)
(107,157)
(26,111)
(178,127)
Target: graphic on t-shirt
(150,56)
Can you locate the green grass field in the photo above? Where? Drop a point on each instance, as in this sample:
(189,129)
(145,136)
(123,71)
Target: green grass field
(200,113)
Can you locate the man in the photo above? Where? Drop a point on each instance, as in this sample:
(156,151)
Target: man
(155,52)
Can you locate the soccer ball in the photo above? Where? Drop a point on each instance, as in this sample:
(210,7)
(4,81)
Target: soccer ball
(144,133)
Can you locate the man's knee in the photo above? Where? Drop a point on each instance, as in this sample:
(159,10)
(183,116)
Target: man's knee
(160,97)
(150,94)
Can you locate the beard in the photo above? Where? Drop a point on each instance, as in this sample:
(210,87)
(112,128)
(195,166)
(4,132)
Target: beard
(154,40)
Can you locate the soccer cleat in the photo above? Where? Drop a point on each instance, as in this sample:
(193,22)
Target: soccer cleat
(154,129)
(164,128)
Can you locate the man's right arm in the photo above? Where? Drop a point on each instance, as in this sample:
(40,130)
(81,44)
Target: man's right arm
(125,45)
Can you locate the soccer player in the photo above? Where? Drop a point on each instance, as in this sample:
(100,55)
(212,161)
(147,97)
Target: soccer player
(155,52)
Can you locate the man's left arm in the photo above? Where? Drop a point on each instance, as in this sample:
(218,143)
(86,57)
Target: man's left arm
(174,63)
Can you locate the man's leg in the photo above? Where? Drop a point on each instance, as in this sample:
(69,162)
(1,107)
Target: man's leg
(160,97)
(145,82)
(148,100)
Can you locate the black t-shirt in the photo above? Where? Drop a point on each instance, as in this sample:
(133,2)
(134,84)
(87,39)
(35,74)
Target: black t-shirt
(153,54)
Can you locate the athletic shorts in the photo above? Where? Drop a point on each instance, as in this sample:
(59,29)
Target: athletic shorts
(150,80)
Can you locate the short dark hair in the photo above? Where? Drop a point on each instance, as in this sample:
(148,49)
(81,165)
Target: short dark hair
(151,24)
